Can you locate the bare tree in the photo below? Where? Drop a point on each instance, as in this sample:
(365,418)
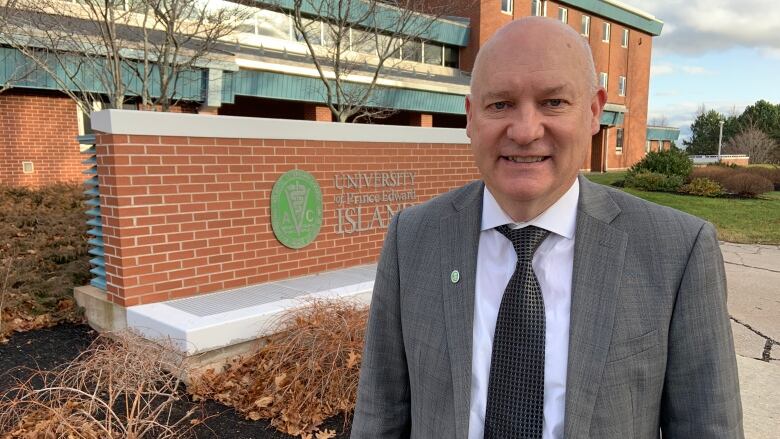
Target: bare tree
(178,36)
(346,30)
(659,121)
(95,50)
(753,142)
(77,45)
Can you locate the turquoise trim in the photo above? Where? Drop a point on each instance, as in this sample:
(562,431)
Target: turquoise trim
(442,31)
(98,282)
(663,133)
(620,15)
(306,89)
(612,118)
(95,221)
(191,85)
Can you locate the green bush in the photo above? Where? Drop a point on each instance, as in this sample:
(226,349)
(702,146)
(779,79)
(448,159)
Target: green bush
(747,185)
(670,162)
(703,187)
(653,181)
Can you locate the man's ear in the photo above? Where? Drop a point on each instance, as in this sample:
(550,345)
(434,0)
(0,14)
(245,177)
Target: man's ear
(596,107)
(468,116)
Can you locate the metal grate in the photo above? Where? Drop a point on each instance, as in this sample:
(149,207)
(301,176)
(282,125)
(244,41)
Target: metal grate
(94,222)
(254,295)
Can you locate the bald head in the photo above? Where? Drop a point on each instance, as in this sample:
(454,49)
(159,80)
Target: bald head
(545,35)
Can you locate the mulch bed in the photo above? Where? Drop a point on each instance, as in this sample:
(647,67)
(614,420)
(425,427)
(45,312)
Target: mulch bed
(49,347)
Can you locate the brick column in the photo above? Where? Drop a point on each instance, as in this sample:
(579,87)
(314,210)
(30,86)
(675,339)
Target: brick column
(421,120)
(319,113)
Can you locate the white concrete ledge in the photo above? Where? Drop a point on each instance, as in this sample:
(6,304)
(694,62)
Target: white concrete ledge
(200,324)
(201,125)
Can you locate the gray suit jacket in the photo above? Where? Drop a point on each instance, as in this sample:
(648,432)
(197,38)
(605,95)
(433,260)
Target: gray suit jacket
(650,342)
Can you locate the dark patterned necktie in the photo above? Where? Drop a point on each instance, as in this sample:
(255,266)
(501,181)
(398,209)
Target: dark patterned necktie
(515,399)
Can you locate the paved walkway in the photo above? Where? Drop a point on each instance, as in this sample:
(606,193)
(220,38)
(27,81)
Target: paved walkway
(753,273)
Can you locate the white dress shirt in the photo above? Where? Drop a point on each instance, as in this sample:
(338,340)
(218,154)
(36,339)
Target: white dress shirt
(552,262)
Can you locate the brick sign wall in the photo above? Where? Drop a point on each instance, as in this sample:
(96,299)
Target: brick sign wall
(187,215)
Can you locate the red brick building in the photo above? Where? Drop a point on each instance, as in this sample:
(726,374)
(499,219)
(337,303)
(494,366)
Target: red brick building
(271,76)
(621,38)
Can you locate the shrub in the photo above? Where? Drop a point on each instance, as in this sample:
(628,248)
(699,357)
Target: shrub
(669,162)
(714,173)
(653,181)
(771,174)
(744,184)
(305,373)
(703,187)
(118,388)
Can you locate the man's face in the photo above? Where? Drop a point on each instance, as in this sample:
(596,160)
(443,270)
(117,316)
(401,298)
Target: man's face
(531,115)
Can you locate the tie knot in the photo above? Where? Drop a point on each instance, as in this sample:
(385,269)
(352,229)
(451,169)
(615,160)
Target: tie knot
(525,240)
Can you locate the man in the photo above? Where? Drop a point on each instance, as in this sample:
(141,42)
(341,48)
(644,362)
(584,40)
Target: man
(616,328)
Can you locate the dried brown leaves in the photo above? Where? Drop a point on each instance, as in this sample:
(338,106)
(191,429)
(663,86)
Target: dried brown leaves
(43,255)
(306,373)
(118,388)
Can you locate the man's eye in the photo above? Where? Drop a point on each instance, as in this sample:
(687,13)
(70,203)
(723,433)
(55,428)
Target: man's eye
(499,105)
(554,102)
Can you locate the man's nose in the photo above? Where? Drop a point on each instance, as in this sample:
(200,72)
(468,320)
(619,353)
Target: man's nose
(526,125)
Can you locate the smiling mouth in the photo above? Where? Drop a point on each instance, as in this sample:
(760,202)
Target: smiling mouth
(516,159)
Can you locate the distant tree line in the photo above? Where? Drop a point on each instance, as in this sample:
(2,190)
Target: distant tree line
(755,132)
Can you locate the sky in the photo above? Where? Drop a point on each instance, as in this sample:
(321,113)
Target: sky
(723,54)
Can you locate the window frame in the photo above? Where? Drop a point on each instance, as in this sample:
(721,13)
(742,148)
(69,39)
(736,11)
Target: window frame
(622,85)
(605,82)
(563,15)
(606,32)
(624,39)
(510,6)
(538,8)
(619,141)
(585,19)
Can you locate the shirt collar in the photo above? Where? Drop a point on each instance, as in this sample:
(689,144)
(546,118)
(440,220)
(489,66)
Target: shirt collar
(560,218)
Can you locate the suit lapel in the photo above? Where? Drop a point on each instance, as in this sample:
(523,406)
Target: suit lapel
(599,251)
(459,240)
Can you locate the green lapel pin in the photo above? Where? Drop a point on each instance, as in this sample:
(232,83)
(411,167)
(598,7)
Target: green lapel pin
(455,276)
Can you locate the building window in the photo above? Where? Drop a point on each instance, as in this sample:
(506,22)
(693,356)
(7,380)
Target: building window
(412,51)
(585,27)
(536,8)
(621,86)
(619,141)
(603,79)
(507,6)
(432,53)
(624,42)
(563,15)
(647,146)
(451,57)
(605,32)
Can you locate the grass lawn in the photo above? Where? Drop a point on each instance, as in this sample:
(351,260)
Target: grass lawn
(755,221)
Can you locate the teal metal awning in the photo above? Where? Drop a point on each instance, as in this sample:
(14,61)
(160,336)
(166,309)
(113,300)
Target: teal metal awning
(663,133)
(439,30)
(632,18)
(23,72)
(612,118)
(307,89)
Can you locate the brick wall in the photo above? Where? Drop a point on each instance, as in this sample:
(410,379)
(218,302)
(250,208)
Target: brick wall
(41,128)
(190,215)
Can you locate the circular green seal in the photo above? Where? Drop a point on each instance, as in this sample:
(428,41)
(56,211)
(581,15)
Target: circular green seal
(296,209)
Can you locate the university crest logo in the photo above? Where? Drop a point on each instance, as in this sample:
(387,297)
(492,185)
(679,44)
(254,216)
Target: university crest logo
(296,209)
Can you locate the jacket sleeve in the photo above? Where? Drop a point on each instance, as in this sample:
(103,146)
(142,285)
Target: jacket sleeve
(383,404)
(701,390)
